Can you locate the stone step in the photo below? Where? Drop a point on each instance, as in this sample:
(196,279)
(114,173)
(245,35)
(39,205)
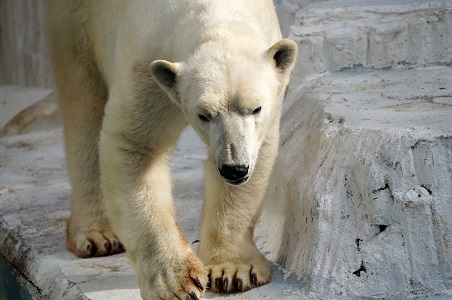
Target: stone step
(360,200)
(340,34)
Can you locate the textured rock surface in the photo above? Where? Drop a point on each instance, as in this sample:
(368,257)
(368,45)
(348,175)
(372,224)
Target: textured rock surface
(339,34)
(360,203)
(361,198)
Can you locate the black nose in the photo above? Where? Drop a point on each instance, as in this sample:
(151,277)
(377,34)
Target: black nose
(234,174)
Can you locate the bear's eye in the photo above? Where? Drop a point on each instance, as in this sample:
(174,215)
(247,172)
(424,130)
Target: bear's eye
(203,118)
(257,110)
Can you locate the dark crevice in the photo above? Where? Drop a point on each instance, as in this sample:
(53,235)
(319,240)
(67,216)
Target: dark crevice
(362,268)
(382,188)
(357,242)
(382,227)
(428,190)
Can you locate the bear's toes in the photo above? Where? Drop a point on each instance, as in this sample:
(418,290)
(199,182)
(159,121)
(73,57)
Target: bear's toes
(178,278)
(95,244)
(260,275)
(236,278)
(81,248)
(115,245)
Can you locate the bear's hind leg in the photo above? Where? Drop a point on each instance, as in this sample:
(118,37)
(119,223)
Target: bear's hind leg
(82,98)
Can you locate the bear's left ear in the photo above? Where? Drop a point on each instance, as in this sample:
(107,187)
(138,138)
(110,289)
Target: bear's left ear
(284,55)
(166,74)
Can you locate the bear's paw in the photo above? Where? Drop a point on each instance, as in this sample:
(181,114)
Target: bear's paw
(175,278)
(86,239)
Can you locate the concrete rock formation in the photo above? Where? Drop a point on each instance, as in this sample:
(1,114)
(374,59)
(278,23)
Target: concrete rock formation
(336,35)
(361,198)
(360,204)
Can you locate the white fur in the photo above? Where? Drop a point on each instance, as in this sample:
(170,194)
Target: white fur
(161,64)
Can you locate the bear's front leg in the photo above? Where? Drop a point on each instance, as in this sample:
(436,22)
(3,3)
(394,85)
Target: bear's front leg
(137,190)
(135,181)
(230,213)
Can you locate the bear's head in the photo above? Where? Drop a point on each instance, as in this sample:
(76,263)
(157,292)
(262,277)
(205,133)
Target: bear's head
(232,98)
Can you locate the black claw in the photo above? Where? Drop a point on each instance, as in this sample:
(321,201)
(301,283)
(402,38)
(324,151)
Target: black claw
(198,284)
(239,284)
(193,296)
(107,246)
(218,284)
(225,284)
(121,246)
(254,278)
(209,280)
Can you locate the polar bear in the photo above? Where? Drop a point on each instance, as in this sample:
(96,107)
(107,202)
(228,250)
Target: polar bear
(130,76)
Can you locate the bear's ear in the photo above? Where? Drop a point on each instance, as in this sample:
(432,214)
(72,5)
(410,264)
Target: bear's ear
(166,74)
(284,54)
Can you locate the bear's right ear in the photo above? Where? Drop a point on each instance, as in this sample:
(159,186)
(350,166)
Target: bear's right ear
(166,73)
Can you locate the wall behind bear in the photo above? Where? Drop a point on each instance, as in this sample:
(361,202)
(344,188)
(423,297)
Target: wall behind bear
(286,10)
(24,59)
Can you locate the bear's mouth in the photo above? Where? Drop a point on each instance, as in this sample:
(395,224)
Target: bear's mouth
(234,174)
(237,181)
